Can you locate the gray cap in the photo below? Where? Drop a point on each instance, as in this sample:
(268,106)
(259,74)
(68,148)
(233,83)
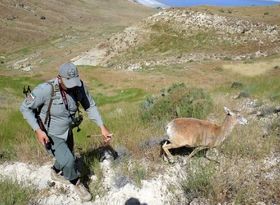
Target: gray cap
(69,74)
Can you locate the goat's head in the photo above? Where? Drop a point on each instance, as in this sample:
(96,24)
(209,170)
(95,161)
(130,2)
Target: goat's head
(237,117)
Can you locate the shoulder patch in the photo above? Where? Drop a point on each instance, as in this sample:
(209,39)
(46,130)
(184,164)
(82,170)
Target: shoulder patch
(30,98)
(56,88)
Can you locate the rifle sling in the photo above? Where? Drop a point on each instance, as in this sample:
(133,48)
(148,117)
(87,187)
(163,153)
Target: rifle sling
(48,114)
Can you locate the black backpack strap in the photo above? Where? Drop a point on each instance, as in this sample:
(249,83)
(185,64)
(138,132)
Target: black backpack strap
(82,97)
(48,114)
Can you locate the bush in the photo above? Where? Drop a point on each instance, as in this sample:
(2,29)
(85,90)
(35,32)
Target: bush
(176,101)
(199,181)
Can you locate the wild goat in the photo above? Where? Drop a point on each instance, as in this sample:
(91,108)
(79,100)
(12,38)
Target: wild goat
(200,134)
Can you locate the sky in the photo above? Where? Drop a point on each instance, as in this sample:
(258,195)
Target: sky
(167,3)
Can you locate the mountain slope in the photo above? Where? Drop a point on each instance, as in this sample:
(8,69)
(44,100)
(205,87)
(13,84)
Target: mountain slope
(28,26)
(182,35)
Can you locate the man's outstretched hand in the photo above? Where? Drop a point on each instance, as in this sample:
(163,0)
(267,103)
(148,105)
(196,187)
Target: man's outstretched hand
(107,136)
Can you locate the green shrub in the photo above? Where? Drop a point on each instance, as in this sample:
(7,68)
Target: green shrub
(199,181)
(176,101)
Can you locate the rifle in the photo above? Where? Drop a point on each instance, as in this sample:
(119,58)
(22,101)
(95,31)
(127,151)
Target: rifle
(36,112)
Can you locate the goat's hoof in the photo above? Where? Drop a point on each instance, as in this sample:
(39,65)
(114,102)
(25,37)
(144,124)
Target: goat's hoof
(165,158)
(181,160)
(171,161)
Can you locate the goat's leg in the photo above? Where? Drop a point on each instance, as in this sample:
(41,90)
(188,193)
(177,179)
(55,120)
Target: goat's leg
(166,148)
(196,150)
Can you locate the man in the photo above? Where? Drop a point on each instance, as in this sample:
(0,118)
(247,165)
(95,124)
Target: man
(58,102)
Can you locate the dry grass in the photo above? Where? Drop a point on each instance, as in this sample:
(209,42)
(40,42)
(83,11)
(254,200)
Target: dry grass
(70,28)
(252,13)
(239,182)
(13,193)
(254,68)
(239,178)
(63,17)
(249,142)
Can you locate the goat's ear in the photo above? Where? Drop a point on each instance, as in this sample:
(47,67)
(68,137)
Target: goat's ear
(227,110)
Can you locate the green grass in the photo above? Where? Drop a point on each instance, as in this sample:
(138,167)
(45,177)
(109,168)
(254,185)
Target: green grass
(13,194)
(165,40)
(174,43)
(17,139)
(14,85)
(248,142)
(7,134)
(266,86)
(127,95)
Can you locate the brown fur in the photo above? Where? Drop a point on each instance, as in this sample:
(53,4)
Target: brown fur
(197,133)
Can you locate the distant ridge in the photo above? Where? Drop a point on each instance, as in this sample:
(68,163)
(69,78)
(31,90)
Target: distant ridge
(151,3)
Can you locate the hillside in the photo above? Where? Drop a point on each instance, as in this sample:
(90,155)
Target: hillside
(185,35)
(50,32)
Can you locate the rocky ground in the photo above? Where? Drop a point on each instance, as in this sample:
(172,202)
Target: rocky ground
(153,191)
(163,189)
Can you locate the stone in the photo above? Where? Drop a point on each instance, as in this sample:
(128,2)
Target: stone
(243,94)
(11,18)
(199,201)
(212,154)
(27,69)
(236,85)
(51,183)
(121,181)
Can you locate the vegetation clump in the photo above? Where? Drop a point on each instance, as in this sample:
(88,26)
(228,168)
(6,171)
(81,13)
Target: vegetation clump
(12,193)
(232,182)
(176,101)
